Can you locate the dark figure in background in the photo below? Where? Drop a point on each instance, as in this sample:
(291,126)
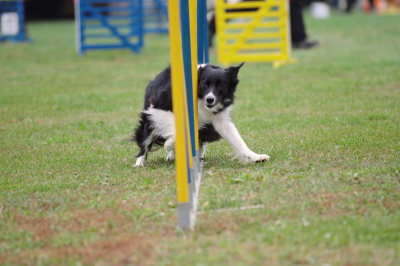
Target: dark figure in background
(211,28)
(297,27)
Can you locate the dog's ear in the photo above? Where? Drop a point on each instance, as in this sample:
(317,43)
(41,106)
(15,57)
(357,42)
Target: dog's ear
(200,70)
(234,70)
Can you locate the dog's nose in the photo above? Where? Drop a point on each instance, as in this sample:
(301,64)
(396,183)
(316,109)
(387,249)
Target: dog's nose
(210,100)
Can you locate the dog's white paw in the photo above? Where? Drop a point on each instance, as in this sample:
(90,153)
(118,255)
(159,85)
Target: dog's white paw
(253,157)
(170,156)
(140,161)
(261,158)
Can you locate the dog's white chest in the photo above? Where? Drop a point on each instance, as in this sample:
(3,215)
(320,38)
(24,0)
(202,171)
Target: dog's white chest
(207,115)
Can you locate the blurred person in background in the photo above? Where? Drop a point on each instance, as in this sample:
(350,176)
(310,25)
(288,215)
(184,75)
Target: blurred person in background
(297,26)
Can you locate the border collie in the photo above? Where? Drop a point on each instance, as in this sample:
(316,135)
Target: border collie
(216,88)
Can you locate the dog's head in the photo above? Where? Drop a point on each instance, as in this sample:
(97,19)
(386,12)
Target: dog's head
(217,85)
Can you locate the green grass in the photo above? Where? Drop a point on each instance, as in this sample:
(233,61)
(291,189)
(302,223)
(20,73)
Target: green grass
(331,124)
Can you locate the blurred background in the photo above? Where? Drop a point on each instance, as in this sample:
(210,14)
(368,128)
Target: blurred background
(49,9)
(64,9)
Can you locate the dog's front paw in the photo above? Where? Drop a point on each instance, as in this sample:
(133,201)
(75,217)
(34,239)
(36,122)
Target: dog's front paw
(256,158)
(261,158)
(251,157)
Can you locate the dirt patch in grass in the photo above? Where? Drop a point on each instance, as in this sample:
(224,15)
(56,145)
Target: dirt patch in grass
(39,227)
(111,250)
(91,237)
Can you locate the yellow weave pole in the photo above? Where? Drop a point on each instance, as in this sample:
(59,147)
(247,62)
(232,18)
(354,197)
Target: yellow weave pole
(178,101)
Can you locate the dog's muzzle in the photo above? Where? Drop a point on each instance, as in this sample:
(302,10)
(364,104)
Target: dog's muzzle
(210,100)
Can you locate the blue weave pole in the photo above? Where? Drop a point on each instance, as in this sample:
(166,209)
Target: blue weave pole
(202,33)
(187,63)
(200,29)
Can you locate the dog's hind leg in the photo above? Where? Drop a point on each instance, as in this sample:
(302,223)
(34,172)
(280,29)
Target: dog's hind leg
(144,150)
(202,151)
(171,155)
(144,138)
(169,147)
(164,122)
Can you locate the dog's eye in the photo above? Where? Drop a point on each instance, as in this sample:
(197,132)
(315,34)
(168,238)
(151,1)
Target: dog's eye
(205,85)
(221,87)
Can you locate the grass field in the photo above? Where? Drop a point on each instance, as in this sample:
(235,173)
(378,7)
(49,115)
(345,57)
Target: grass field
(331,124)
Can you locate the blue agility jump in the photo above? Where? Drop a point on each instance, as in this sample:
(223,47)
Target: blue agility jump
(12,21)
(155,13)
(109,24)
(118,24)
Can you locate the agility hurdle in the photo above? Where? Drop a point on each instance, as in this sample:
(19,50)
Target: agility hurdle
(108,24)
(260,34)
(155,15)
(12,21)
(187,41)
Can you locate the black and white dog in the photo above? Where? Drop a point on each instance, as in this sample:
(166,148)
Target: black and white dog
(216,88)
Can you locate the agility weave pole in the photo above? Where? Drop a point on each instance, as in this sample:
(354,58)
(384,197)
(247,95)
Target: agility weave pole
(186,29)
(253,31)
